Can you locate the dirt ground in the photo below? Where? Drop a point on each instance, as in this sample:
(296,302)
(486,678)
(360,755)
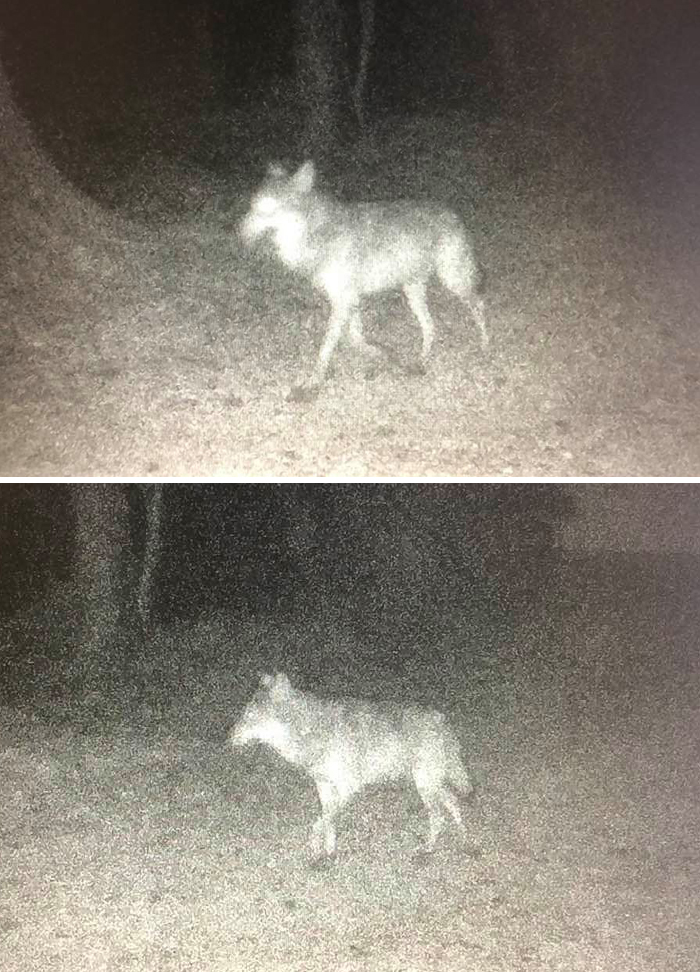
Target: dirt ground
(153,847)
(180,364)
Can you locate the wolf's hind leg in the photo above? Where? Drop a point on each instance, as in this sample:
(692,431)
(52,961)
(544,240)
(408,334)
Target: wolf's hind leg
(417,301)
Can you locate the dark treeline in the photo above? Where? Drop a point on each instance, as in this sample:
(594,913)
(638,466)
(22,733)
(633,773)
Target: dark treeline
(126,590)
(256,548)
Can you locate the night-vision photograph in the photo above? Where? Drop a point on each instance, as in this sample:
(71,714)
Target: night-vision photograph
(357,727)
(349,239)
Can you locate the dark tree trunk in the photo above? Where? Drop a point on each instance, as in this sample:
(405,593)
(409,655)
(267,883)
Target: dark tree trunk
(322,76)
(105,586)
(365,47)
(153,502)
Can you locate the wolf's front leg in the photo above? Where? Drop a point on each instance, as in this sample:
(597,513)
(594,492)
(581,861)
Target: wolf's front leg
(417,301)
(322,842)
(308,390)
(323,830)
(374,354)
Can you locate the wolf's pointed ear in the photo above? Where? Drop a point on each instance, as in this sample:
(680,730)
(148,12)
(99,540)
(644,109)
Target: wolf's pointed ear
(266,680)
(277,171)
(280,685)
(305,177)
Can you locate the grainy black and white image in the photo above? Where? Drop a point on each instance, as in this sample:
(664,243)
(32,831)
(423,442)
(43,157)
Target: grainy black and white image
(349,238)
(354,727)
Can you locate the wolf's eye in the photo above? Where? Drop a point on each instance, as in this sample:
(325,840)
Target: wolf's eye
(266,204)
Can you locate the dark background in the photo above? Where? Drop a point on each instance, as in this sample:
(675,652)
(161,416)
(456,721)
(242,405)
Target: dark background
(135,75)
(240,545)
(243,546)
(345,586)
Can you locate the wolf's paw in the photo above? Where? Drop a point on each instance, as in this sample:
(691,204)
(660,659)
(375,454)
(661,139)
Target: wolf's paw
(373,370)
(417,369)
(371,351)
(303,393)
(423,857)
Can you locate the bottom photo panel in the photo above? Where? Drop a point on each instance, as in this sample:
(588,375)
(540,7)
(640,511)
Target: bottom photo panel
(392,727)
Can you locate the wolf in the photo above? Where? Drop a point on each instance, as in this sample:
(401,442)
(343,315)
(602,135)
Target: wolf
(349,250)
(348,744)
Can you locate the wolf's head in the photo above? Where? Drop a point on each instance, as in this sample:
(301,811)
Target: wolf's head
(280,207)
(266,717)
